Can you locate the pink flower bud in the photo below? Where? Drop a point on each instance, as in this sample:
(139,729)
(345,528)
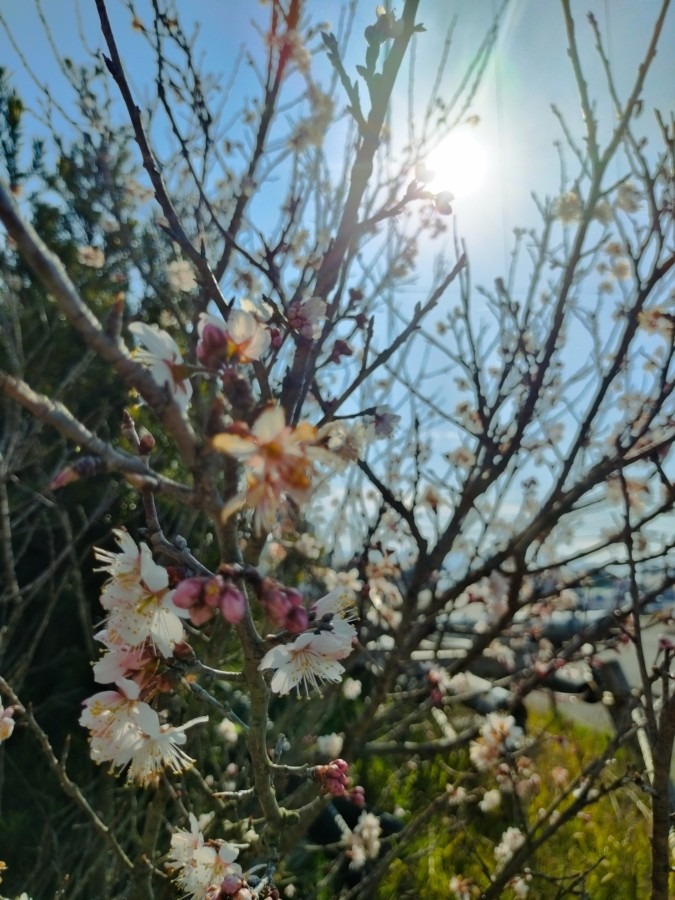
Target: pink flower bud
(358,796)
(188,593)
(200,596)
(213,590)
(279,602)
(212,346)
(297,620)
(332,777)
(340,348)
(230,884)
(232,604)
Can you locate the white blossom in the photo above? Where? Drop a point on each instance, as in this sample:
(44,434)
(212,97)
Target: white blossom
(512,840)
(164,361)
(180,275)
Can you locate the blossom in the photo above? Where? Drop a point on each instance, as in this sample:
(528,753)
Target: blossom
(330,745)
(291,47)
(160,749)
(309,660)
(520,887)
(498,734)
(91,256)
(512,840)
(621,268)
(228,731)
(137,597)
(462,457)
(112,718)
(363,843)
(184,843)
(304,316)
(628,197)
(345,442)
(567,208)
(657,320)
(310,132)
(126,731)
(461,887)
(560,776)
(201,864)
(307,545)
(6,722)
(603,212)
(180,275)
(348,580)
(262,312)
(241,339)
(352,688)
(164,361)
(278,461)
(337,611)
(122,661)
(491,800)
(382,423)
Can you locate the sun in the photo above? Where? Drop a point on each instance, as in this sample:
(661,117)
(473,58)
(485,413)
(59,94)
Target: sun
(459,164)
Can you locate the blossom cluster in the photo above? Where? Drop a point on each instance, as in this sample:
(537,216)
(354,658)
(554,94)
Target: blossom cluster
(278,459)
(363,843)
(206,870)
(499,734)
(143,628)
(126,731)
(313,657)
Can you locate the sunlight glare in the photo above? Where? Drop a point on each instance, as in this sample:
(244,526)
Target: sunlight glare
(459,164)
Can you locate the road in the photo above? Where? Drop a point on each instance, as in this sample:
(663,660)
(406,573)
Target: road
(596,715)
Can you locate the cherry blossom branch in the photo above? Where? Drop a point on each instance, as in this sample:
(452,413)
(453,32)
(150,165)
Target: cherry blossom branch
(114,64)
(13,593)
(381,86)
(61,419)
(67,786)
(269,108)
(535,837)
(50,271)
(413,325)
(224,708)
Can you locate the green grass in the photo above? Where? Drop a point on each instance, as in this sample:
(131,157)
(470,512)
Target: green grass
(601,854)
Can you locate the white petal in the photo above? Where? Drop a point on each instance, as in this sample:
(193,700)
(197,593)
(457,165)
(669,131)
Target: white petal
(158,342)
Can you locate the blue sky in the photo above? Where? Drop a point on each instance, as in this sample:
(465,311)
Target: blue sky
(528,72)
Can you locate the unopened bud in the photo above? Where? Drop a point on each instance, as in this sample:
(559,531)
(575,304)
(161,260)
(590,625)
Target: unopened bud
(184,652)
(146,444)
(297,620)
(232,604)
(358,796)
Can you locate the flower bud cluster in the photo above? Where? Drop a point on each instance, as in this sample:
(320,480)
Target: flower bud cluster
(332,777)
(204,596)
(283,606)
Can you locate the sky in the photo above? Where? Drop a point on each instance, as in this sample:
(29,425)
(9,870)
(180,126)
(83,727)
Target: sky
(527,73)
